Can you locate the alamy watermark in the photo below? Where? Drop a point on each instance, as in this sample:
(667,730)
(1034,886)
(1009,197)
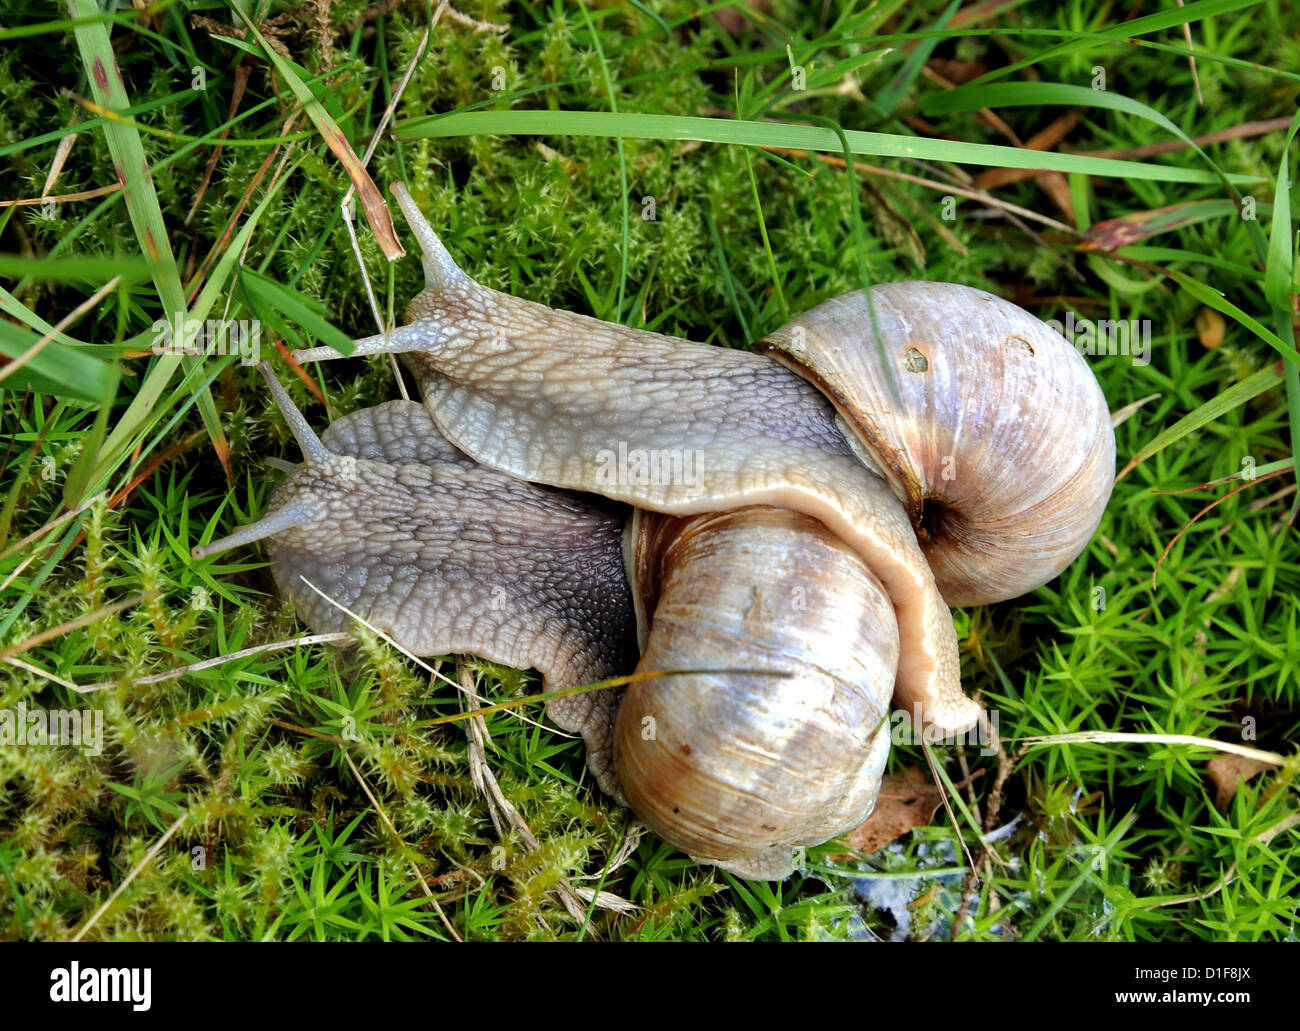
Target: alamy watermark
(908,727)
(75,983)
(81,728)
(656,467)
(212,337)
(1128,337)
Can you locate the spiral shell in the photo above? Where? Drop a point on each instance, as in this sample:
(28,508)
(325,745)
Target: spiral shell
(998,439)
(785,743)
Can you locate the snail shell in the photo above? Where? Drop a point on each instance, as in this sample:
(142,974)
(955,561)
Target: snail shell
(998,440)
(739,765)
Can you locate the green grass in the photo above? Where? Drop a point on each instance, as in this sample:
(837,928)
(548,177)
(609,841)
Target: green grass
(250,772)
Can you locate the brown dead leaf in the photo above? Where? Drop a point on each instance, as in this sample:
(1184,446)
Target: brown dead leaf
(908,799)
(1115,233)
(1227,772)
(1210,328)
(958,72)
(1057,187)
(737,25)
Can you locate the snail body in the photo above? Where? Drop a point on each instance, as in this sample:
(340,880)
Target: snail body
(813,478)
(544,395)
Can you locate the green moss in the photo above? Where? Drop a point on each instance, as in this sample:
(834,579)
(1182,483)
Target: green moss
(277,835)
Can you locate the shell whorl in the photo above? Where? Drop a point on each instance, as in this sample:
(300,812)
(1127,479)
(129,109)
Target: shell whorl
(999,441)
(785,745)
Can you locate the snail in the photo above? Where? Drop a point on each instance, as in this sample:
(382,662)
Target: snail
(800,526)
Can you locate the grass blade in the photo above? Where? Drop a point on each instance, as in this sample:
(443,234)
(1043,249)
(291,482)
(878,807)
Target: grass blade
(1279,285)
(146,219)
(784,134)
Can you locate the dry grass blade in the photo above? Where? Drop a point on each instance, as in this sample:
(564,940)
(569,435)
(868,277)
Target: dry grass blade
(1204,512)
(63,198)
(347,206)
(61,153)
(220,660)
(88,304)
(500,807)
(200,278)
(1117,737)
(429,669)
(1122,415)
(1191,60)
(43,673)
(74,624)
(52,525)
(943,794)
(372,201)
(242,72)
(1045,139)
(1233,397)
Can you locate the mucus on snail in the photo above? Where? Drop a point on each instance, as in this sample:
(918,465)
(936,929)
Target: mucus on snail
(829,523)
